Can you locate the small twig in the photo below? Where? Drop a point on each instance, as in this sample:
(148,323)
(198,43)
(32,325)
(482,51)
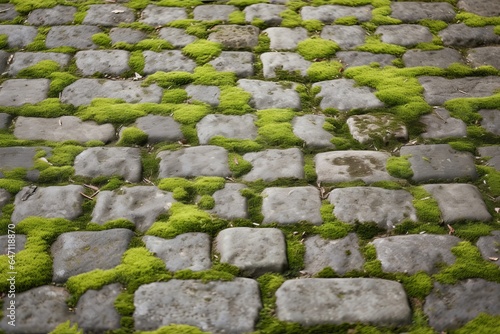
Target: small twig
(86,196)
(451,229)
(94,188)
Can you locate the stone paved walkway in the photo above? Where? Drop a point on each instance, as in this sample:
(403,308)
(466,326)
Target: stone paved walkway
(250,166)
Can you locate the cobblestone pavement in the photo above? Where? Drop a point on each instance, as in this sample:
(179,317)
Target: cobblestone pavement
(247,166)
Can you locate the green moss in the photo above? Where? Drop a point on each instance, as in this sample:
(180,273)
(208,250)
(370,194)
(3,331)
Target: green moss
(482,324)
(180,3)
(113,184)
(132,136)
(418,285)
(234,101)
(63,155)
(435,26)
(202,51)
(463,145)
(392,185)
(138,4)
(313,25)
(4,41)
(326,272)
(56,174)
(474,20)
(153,45)
(207,75)
(374,45)
(15,174)
(38,43)
(367,231)
(254,204)
(466,108)
(380,16)
(12,186)
(176,95)
(206,202)
(426,206)
(237,17)
(42,69)
(324,70)
(49,108)
(136,61)
(472,231)
(190,113)
(342,2)
(114,111)
(67,328)
(317,48)
(291,19)
(490,178)
(497,30)
(175,329)
(399,167)
(59,80)
(347,20)
(236,145)
(207,185)
(333,229)
(264,43)
(63,49)
(175,182)
(170,79)
(275,128)
(102,40)
(238,165)
(242,3)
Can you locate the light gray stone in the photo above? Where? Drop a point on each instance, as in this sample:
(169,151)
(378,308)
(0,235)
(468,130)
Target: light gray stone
(83,91)
(160,128)
(78,36)
(194,161)
(367,128)
(80,252)
(347,37)
(269,13)
(285,39)
(267,95)
(229,203)
(5,121)
(482,7)
(309,128)
(460,35)
(437,58)
(487,55)
(273,164)
(254,251)
(458,202)
(416,11)
(18,36)
(329,13)
(240,63)
(338,300)
(23,60)
(112,62)
(413,253)
(8,12)
(51,202)
(439,124)
(344,95)
(207,94)
(360,58)
(19,157)
(127,35)
(159,15)
(16,92)
(235,36)
(38,310)
(228,126)
(407,35)
(384,207)
(108,15)
(493,155)
(62,129)
(176,36)
(141,205)
(452,306)
(4,197)
(167,61)
(439,162)
(291,205)
(186,251)
(6,246)
(489,246)
(95,311)
(215,306)
(213,12)
(57,15)
(345,166)
(283,61)
(491,120)
(342,255)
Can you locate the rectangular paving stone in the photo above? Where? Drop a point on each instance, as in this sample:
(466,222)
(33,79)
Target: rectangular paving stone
(439,124)
(213,12)
(329,13)
(238,62)
(112,62)
(23,60)
(108,15)
(415,11)
(18,36)
(492,153)
(267,95)
(16,92)
(347,37)
(95,310)
(484,56)
(19,157)
(178,37)
(367,128)
(480,7)
(57,15)
(285,38)
(360,58)
(78,37)
(490,120)
(438,58)
(284,61)
(230,203)
(235,37)
(227,126)
(273,164)
(462,36)
(406,35)
(159,15)
(167,61)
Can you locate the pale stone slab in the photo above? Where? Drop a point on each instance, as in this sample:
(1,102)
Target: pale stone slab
(267,95)
(112,62)
(491,120)
(96,312)
(78,36)
(291,205)
(283,61)
(23,60)
(186,251)
(160,128)
(437,58)
(254,251)
(487,55)
(489,246)
(347,37)
(309,128)
(480,7)
(273,164)
(159,15)
(203,93)
(338,300)
(367,128)
(228,126)
(108,15)
(127,35)
(416,11)
(360,58)
(493,155)
(344,95)
(342,255)
(329,13)
(235,37)
(439,124)
(167,61)
(177,37)
(407,35)
(213,12)
(285,39)
(8,12)
(16,92)
(215,306)
(345,166)
(460,35)
(229,203)
(57,15)
(459,202)
(19,157)
(269,13)
(238,62)
(18,36)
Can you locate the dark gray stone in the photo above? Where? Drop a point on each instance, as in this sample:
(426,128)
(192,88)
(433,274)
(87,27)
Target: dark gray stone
(80,252)
(342,255)
(83,91)
(160,128)
(176,36)
(202,93)
(5,121)
(57,15)
(291,205)
(228,126)
(51,202)
(489,246)
(16,92)
(491,120)
(360,58)
(4,59)
(4,197)
(452,306)
(367,128)
(268,13)
(18,36)
(345,166)
(159,15)
(407,35)
(19,157)
(416,11)
(273,164)
(167,61)
(487,55)
(112,62)
(480,7)
(285,39)
(410,254)
(141,205)
(8,12)
(95,311)
(338,300)
(283,61)
(458,202)
(23,60)
(6,246)
(109,15)
(241,63)
(439,124)
(215,306)
(438,90)
(493,155)
(38,310)
(329,13)
(267,95)
(78,37)
(62,129)
(460,35)
(347,37)
(344,95)
(439,162)
(384,207)
(127,35)
(235,37)
(186,251)
(254,251)
(213,12)
(437,58)
(309,128)
(229,203)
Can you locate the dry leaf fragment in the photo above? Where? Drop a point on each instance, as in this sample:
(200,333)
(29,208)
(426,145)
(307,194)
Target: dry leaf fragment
(118,11)
(236,161)
(497,210)
(493,258)
(451,229)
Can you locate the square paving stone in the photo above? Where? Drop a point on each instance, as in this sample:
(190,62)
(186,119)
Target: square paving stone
(50,202)
(78,37)
(283,61)
(367,128)
(160,128)
(360,58)
(80,252)
(273,164)
(329,13)
(322,301)
(487,55)
(267,95)
(437,58)
(413,253)
(57,15)
(110,161)
(255,251)
(194,161)
(491,120)
(96,312)
(346,166)
(459,202)
(461,35)
(238,62)
(492,153)
(440,124)
(16,92)
(416,11)
(186,251)
(215,306)
(229,203)
(344,95)
(384,207)
(19,157)
(112,62)
(269,13)
(342,255)
(407,35)
(228,126)
(285,38)
(108,15)
(140,204)
(23,60)
(291,205)
(482,7)
(347,37)
(213,12)
(127,35)
(439,162)
(159,15)
(177,37)
(235,37)
(489,246)
(204,93)
(167,61)
(18,36)
(309,128)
